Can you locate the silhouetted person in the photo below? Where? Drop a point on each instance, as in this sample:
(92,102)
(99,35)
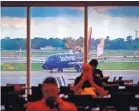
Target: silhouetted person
(97,73)
(50,100)
(86,80)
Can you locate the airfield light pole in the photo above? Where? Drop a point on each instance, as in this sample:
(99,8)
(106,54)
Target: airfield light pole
(28,51)
(85,33)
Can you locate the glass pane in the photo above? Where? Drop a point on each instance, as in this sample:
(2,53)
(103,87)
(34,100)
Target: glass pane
(56,42)
(13,45)
(114,40)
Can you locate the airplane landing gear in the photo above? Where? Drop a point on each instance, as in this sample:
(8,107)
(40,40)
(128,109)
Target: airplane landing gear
(77,68)
(51,70)
(60,70)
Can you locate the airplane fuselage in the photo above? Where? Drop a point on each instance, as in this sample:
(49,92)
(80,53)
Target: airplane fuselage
(65,60)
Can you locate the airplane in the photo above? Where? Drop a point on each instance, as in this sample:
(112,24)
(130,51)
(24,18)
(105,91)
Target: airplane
(65,60)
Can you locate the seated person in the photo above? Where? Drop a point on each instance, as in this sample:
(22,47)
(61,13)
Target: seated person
(50,101)
(97,73)
(85,89)
(86,80)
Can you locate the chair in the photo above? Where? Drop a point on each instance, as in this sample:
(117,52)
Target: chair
(120,78)
(120,82)
(128,82)
(65,90)
(122,101)
(79,100)
(10,99)
(18,87)
(133,89)
(114,79)
(4,91)
(61,81)
(36,93)
(111,87)
(15,103)
(9,84)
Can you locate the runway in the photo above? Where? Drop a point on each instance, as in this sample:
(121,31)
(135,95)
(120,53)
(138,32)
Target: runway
(22,59)
(69,76)
(42,59)
(37,77)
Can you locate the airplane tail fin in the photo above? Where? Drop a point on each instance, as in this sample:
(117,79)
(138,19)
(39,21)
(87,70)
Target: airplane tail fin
(100,46)
(89,41)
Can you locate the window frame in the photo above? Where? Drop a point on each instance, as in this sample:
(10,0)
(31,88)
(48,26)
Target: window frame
(85,4)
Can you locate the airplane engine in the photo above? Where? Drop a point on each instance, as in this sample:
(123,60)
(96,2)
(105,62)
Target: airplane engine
(78,67)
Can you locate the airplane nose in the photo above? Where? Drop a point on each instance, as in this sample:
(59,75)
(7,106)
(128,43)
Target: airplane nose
(44,66)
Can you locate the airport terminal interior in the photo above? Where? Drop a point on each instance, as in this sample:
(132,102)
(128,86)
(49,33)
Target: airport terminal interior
(69,56)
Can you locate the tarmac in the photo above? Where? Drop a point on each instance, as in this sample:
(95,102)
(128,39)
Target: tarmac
(37,77)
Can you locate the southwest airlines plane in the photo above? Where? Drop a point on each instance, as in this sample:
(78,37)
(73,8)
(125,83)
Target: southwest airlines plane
(66,60)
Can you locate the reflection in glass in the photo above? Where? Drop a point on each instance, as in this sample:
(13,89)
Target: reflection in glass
(114,39)
(13,45)
(57,41)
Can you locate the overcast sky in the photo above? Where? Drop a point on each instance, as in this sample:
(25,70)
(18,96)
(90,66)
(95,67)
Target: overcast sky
(69,22)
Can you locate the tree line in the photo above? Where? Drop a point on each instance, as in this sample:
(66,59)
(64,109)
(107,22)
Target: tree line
(8,43)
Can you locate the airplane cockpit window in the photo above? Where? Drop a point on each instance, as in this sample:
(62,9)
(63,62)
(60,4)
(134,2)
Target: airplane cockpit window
(52,58)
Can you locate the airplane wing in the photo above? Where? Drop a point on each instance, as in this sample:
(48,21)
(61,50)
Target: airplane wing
(38,60)
(74,63)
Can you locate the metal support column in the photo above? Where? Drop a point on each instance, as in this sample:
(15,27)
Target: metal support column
(85,33)
(28,51)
